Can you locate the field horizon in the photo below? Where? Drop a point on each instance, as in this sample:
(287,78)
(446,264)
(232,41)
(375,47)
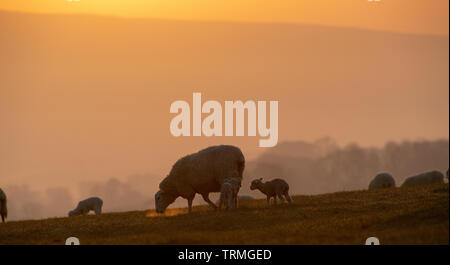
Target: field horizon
(404,215)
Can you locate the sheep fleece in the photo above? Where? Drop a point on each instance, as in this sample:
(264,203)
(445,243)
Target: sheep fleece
(383,180)
(425,178)
(204,171)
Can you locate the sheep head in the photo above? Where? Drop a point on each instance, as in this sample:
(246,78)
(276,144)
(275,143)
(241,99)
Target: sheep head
(162,200)
(72,213)
(256,184)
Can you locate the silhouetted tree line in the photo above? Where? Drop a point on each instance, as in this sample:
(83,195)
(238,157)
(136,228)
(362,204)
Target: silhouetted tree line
(323,167)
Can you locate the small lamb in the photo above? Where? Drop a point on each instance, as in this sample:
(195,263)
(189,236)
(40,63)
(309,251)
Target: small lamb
(273,188)
(228,192)
(91,204)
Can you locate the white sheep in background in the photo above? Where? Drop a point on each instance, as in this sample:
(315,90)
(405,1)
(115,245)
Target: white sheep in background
(381,181)
(432,177)
(228,193)
(273,188)
(202,172)
(3,208)
(91,204)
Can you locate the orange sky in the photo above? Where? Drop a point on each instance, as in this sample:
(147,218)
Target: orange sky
(412,16)
(88,97)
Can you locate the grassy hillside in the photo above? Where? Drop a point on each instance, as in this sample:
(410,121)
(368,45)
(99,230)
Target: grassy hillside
(417,215)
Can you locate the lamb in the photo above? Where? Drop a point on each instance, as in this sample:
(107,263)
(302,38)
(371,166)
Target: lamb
(228,193)
(3,208)
(431,177)
(202,172)
(90,204)
(381,181)
(273,188)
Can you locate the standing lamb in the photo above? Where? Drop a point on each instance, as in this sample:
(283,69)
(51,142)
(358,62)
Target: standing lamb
(273,188)
(91,204)
(381,181)
(228,193)
(202,172)
(432,177)
(3,208)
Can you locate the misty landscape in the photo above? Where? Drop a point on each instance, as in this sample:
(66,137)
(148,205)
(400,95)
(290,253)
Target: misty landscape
(310,168)
(86,109)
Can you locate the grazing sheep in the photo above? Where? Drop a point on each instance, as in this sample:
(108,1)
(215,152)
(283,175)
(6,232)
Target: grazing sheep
(273,188)
(3,208)
(91,204)
(431,177)
(228,193)
(381,181)
(202,172)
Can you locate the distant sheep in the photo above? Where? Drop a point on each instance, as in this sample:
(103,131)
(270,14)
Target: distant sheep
(202,172)
(273,188)
(228,193)
(91,204)
(381,181)
(3,208)
(432,177)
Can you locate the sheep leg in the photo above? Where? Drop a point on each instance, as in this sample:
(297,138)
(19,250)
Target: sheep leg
(206,198)
(233,201)
(3,218)
(220,202)
(230,202)
(268,200)
(281,198)
(98,210)
(190,205)
(288,198)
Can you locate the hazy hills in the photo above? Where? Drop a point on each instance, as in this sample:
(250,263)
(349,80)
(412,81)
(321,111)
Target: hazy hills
(86,98)
(309,168)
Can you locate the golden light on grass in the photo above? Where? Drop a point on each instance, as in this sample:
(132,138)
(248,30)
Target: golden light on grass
(413,215)
(169,212)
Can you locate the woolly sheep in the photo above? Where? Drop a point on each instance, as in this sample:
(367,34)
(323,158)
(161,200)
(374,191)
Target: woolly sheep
(91,204)
(431,177)
(228,193)
(273,188)
(382,180)
(3,208)
(202,172)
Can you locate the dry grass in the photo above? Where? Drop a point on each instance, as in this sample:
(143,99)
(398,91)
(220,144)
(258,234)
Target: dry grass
(418,215)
